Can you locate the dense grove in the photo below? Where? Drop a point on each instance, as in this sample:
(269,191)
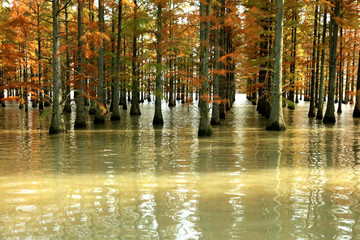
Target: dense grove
(111,53)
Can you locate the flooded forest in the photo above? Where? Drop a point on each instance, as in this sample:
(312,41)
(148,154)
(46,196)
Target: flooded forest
(171,119)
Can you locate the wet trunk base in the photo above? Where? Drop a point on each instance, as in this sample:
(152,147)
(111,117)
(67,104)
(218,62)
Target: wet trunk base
(57,130)
(135,110)
(205,132)
(115,117)
(275,126)
(328,119)
(158,121)
(356,113)
(319,115)
(99,119)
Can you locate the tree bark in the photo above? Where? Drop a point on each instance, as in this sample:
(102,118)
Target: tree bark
(57,124)
(276,120)
(334,28)
(319,114)
(80,106)
(341,74)
(100,93)
(115,98)
(356,113)
(158,118)
(215,114)
(313,66)
(204,124)
(135,108)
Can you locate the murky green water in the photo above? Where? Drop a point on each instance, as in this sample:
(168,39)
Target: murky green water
(128,180)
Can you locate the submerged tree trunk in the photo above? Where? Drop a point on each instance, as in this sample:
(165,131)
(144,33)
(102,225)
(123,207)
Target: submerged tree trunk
(204,124)
(116,98)
(80,106)
(158,118)
(100,93)
(57,121)
(276,120)
(135,108)
(356,113)
(319,114)
(333,42)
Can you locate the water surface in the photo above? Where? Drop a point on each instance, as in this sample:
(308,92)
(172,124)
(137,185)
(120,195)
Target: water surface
(127,180)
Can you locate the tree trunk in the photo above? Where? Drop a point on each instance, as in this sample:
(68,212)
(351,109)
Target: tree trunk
(115,98)
(333,41)
(204,124)
(276,120)
(293,62)
(80,106)
(135,108)
(356,113)
(100,93)
(57,121)
(313,66)
(67,107)
(319,114)
(341,74)
(41,100)
(158,118)
(215,115)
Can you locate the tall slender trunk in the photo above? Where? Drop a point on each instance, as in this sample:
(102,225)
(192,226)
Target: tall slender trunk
(158,118)
(222,77)
(215,114)
(313,66)
(319,114)
(333,42)
(347,84)
(293,62)
(57,124)
(41,100)
(116,113)
(100,93)
(80,106)
(135,108)
(341,73)
(67,107)
(204,124)
(276,120)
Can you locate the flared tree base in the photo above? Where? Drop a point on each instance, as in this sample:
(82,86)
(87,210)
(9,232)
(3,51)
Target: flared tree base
(115,117)
(275,126)
(135,110)
(157,121)
(328,119)
(99,120)
(356,113)
(205,132)
(215,121)
(53,130)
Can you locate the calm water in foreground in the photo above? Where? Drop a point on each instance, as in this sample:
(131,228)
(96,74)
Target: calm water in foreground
(127,180)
